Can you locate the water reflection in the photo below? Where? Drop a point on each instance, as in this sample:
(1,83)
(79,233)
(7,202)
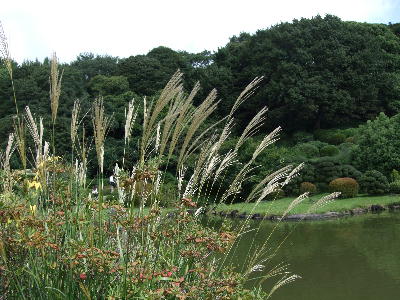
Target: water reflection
(352,258)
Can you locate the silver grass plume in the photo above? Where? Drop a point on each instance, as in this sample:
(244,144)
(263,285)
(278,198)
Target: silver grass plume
(74,121)
(55,86)
(5,55)
(201,113)
(275,176)
(184,110)
(252,127)
(9,151)
(101,125)
(5,51)
(6,163)
(19,132)
(246,94)
(283,281)
(130,117)
(121,191)
(152,112)
(36,133)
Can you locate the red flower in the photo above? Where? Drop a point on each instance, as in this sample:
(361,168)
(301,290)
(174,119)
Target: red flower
(82,276)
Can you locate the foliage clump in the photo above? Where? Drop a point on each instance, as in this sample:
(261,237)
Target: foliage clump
(394,187)
(329,150)
(307,150)
(348,187)
(379,144)
(308,187)
(334,137)
(374,183)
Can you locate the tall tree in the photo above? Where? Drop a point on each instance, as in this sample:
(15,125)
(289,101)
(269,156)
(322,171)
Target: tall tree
(318,72)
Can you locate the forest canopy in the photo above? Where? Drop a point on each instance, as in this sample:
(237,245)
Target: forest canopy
(318,73)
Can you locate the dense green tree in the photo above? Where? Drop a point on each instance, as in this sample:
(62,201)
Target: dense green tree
(91,65)
(395,28)
(143,74)
(149,73)
(318,72)
(379,145)
(108,85)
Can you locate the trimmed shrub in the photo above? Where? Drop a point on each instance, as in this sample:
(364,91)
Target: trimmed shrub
(350,171)
(307,150)
(318,144)
(337,138)
(327,168)
(394,187)
(308,187)
(329,136)
(374,183)
(348,187)
(302,137)
(329,150)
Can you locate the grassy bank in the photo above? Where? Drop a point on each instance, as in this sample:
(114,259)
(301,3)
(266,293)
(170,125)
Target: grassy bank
(278,207)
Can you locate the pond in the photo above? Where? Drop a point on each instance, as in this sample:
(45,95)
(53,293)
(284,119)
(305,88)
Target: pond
(350,258)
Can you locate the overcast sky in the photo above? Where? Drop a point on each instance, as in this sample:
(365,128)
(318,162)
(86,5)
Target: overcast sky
(36,28)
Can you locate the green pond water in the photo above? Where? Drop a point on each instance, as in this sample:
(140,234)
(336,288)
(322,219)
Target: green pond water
(351,258)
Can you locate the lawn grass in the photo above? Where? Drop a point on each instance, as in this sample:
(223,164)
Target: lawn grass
(278,207)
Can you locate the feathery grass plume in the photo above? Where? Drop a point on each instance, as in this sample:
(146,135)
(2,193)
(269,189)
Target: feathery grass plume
(252,127)
(130,118)
(249,90)
(55,86)
(80,173)
(275,176)
(200,114)
(324,201)
(83,151)
(151,113)
(286,279)
(20,137)
(243,174)
(169,122)
(74,121)
(5,51)
(5,55)
(182,107)
(6,163)
(101,125)
(36,133)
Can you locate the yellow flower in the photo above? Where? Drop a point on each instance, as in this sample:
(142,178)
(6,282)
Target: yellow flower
(33,209)
(34,184)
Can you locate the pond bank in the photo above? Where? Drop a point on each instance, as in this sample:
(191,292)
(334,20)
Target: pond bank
(306,216)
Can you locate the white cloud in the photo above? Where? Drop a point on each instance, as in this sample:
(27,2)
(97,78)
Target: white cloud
(123,28)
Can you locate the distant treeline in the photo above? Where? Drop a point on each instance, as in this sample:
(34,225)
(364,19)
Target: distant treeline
(319,73)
